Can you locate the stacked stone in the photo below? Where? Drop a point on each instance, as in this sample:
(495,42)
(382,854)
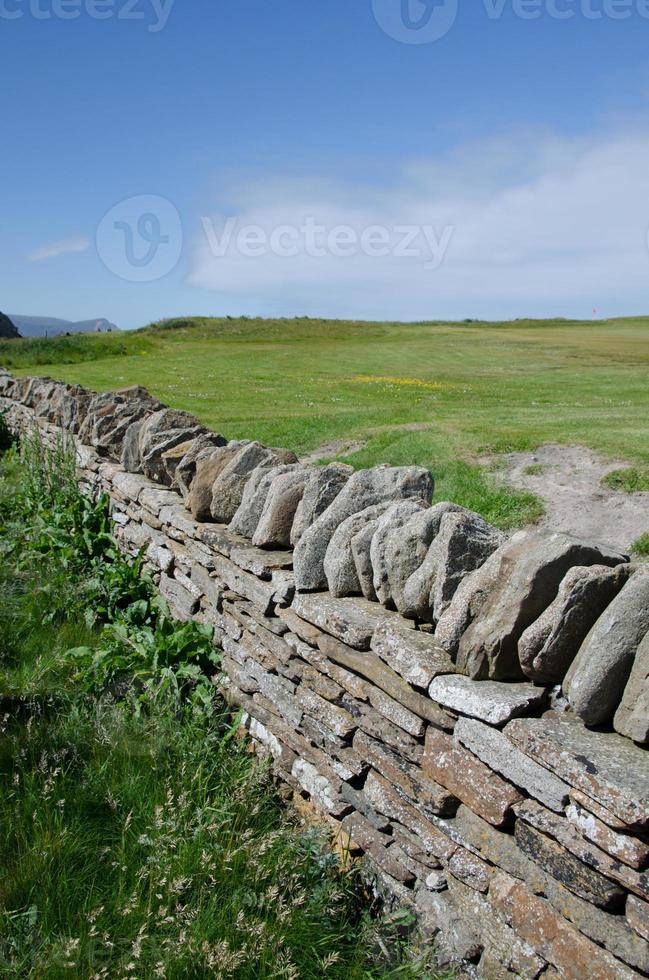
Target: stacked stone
(401,663)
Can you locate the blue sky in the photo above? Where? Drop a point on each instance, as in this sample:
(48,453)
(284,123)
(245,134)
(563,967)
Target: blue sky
(499,170)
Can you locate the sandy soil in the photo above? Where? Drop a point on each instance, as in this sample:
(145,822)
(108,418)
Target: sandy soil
(569,483)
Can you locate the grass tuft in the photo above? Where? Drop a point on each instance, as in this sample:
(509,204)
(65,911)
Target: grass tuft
(631,479)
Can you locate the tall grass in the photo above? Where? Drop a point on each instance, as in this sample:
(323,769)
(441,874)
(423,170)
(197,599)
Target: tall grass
(140,836)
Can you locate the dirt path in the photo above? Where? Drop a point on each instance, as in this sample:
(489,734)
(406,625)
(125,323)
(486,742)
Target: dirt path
(568,480)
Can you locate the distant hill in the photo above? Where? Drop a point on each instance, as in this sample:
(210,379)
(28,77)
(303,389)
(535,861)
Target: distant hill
(42,326)
(8,330)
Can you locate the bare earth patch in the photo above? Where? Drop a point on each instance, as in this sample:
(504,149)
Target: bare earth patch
(568,480)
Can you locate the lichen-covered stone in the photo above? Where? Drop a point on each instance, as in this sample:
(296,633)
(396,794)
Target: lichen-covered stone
(529,578)
(632,716)
(413,655)
(607,768)
(596,680)
(391,523)
(365,488)
(209,465)
(229,485)
(491,701)
(463,543)
(494,749)
(547,647)
(259,482)
(278,513)
(321,489)
(339,564)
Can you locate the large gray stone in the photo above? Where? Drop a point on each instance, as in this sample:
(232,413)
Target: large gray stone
(470,597)
(339,564)
(407,546)
(130,457)
(248,513)
(632,716)
(361,545)
(596,680)
(383,484)
(415,656)
(463,543)
(278,512)
(351,620)
(531,572)
(228,487)
(162,431)
(390,524)
(547,647)
(490,701)
(606,768)
(493,748)
(185,471)
(321,490)
(209,464)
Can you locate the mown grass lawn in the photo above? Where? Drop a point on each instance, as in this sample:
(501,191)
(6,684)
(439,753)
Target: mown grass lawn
(437,394)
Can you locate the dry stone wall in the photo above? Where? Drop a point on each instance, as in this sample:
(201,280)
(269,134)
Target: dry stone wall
(468,710)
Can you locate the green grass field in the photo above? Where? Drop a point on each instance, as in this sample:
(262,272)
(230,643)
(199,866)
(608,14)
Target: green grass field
(438,394)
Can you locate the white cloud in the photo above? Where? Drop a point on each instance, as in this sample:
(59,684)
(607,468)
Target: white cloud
(542,225)
(55,249)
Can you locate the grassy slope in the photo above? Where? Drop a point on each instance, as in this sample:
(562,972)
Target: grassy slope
(432,393)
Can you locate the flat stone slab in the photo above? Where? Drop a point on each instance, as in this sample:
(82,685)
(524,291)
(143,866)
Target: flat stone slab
(351,620)
(607,768)
(414,655)
(260,562)
(220,539)
(494,749)
(490,701)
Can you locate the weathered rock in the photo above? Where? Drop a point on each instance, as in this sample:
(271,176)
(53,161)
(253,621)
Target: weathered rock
(351,620)
(392,522)
(607,768)
(572,873)
(383,484)
(547,647)
(494,749)
(228,487)
(185,470)
(110,414)
(470,597)
(130,457)
(182,604)
(406,547)
(535,921)
(530,575)
(463,543)
(160,432)
(385,799)
(361,545)
(632,716)
(596,680)
(208,467)
(623,847)
(278,512)
(245,584)
(339,564)
(413,655)
(468,778)
(321,490)
(246,519)
(491,701)
(370,667)
(582,854)
(637,913)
